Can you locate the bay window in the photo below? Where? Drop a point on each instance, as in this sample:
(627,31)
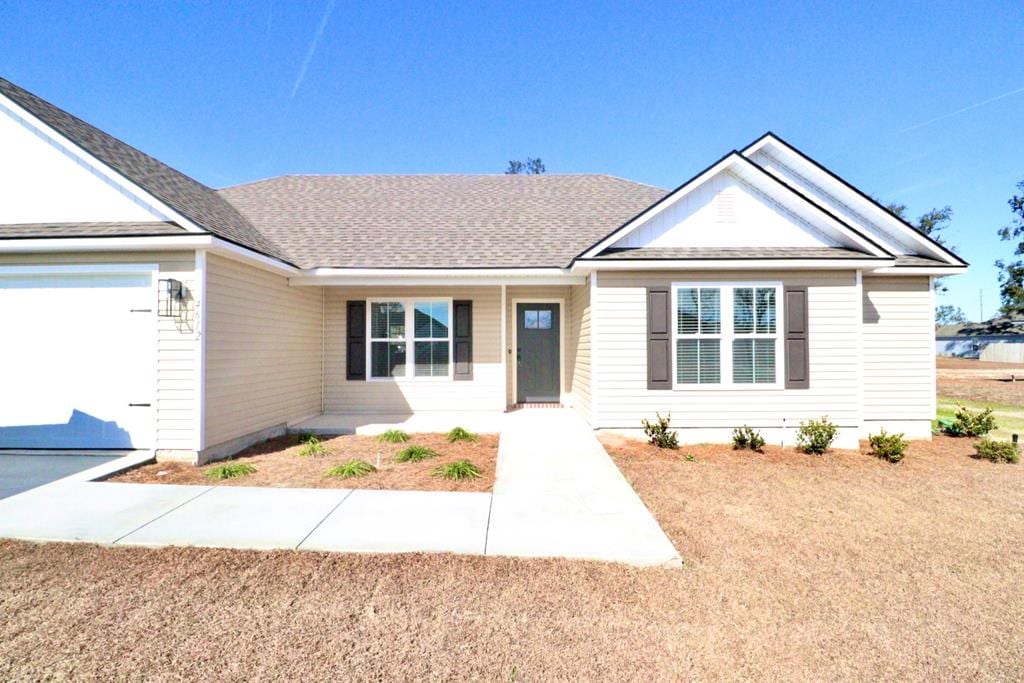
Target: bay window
(726,334)
(419,327)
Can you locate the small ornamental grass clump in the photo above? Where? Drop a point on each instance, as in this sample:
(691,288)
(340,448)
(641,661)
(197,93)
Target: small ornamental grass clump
(457,470)
(393,436)
(996,451)
(815,436)
(891,447)
(231,470)
(415,453)
(351,468)
(460,434)
(966,423)
(745,437)
(658,432)
(311,447)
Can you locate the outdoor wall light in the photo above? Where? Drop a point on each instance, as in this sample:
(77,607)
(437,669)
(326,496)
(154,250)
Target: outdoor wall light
(170,297)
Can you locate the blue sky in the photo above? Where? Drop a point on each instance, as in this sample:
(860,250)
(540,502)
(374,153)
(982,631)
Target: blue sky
(919,103)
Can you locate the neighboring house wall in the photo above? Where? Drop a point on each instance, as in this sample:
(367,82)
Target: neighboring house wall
(1003,352)
(537,293)
(708,413)
(402,397)
(579,348)
(177,342)
(899,354)
(263,352)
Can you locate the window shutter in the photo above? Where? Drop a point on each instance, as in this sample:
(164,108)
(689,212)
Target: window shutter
(462,339)
(797,364)
(355,346)
(659,338)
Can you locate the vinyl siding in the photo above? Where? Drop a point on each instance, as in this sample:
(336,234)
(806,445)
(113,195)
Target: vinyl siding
(538,293)
(177,343)
(621,381)
(263,350)
(402,397)
(899,349)
(579,347)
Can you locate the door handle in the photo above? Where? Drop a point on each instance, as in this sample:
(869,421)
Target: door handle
(139,405)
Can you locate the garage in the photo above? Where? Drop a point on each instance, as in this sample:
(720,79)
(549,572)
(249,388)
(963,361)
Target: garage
(77,357)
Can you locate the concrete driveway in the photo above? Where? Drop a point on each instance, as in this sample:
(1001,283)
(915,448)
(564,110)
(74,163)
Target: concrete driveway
(19,473)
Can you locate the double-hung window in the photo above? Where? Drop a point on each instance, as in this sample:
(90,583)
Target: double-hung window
(418,327)
(726,334)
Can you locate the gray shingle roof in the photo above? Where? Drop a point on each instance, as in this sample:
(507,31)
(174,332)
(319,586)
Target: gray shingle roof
(691,253)
(439,221)
(189,197)
(907,261)
(26,230)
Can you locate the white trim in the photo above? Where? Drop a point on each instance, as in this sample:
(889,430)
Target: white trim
(200,369)
(761,176)
(79,154)
(409,303)
(90,269)
(389,277)
(562,377)
(859,339)
(587,265)
(931,394)
(919,270)
(594,348)
(727,335)
(505,349)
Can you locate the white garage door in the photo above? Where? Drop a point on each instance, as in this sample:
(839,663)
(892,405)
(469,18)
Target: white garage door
(76,360)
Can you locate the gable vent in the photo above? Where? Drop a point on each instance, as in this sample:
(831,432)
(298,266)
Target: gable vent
(726,206)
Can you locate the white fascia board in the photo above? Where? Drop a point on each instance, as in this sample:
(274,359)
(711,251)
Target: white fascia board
(128,188)
(253,258)
(420,276)
(591,265)
(919,270)
(866,207)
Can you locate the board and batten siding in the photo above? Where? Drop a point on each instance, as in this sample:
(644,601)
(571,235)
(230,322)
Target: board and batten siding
(621,379)
(536,293)
(579,347)
(177,342)
(899,352)
(405,396)
(263,350)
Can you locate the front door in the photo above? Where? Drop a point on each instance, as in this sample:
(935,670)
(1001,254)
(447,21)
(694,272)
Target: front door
(537,350)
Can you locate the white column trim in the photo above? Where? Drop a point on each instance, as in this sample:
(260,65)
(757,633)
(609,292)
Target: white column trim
(859,342)
(595,358)
(200,367)
(504,348)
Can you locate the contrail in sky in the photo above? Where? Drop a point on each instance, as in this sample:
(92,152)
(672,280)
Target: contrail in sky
(965,109)
(312,48)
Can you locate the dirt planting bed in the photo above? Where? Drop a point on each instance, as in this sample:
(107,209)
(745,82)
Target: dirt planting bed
(278,463)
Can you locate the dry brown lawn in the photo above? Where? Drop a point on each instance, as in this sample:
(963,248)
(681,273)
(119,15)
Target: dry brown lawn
(798,568)
(278,463)
(974,380)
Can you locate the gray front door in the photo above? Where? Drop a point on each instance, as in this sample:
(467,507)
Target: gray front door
(537,366)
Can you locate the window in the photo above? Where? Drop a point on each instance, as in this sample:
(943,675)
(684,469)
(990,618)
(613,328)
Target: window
(537,320)
(737,349)
(397,325)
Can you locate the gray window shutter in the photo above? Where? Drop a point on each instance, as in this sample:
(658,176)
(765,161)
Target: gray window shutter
(659,338)
(355,341)
(797,353)
(462,339)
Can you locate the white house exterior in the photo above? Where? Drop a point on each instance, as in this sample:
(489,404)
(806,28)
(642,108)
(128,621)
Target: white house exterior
(143,310)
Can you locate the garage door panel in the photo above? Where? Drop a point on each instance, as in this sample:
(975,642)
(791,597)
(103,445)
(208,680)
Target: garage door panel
(76,361)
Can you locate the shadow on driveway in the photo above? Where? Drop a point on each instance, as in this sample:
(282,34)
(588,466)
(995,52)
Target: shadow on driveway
(23,472)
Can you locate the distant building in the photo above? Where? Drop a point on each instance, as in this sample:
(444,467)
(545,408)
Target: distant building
(966,340)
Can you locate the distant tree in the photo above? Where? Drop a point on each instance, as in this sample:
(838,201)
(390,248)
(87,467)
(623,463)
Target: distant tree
(949,315)
(529,167)
(931,223)
(1011,275)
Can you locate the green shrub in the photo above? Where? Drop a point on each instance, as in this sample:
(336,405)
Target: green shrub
(393,436)
(231,470)
(415,453)
(458,469)
(815,436)
(690,457)
(658,432)
(351,468)
(966,423)
(745,437)
(996,451)
(891,447)
(460,434)
(312,447)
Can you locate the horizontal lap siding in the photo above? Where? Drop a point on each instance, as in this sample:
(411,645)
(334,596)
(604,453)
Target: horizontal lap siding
(401,397)
(579,348)
(537,293)
(899,349)
(263,350)
(177,345)
(621,378)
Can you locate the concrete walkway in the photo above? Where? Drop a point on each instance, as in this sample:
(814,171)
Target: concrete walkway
(557,495)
